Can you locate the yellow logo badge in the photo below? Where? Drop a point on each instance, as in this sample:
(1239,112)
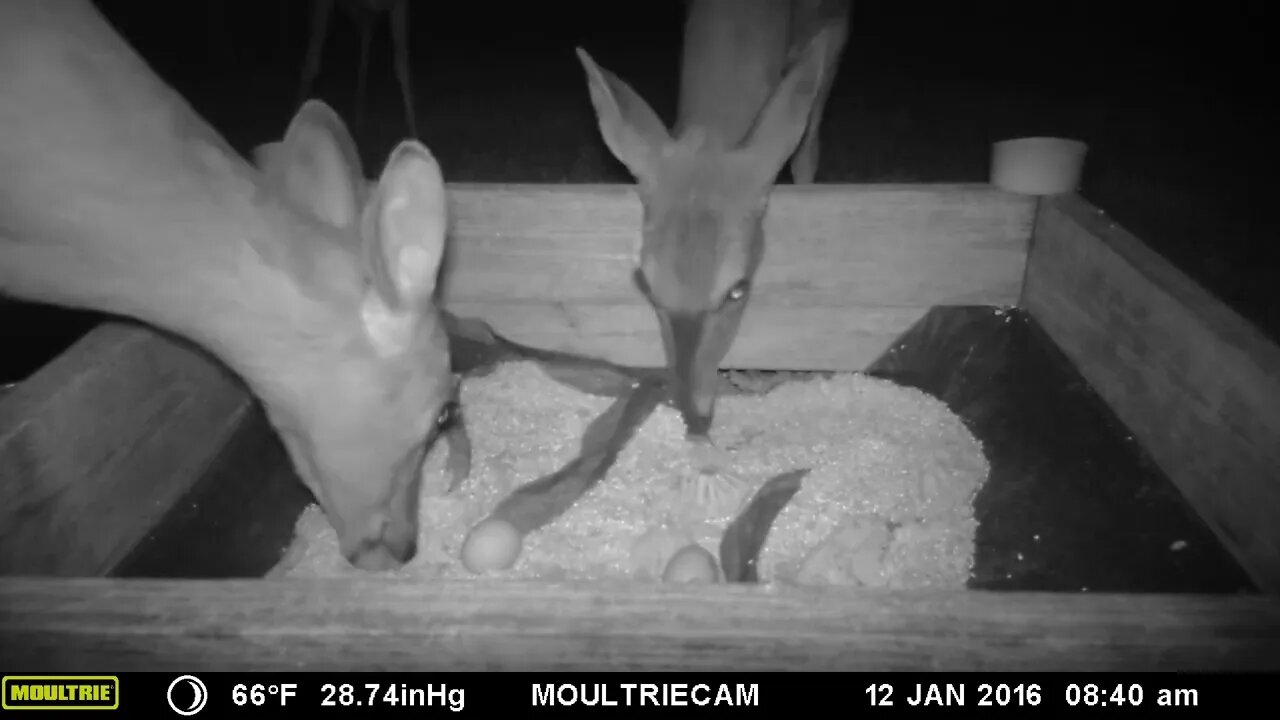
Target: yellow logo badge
(61,692)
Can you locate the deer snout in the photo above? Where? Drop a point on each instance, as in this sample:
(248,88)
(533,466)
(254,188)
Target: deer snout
(384,545)
(386,552)
(693,364)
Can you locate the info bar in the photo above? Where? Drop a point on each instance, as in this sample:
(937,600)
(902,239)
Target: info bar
(199,694)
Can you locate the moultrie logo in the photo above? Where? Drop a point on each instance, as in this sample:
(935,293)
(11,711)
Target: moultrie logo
(60,692)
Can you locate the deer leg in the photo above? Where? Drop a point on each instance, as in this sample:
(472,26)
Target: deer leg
(811,17)
(366,32)
(400,40)
(804,163)
(320,12)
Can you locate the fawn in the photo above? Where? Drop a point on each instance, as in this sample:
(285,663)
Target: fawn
(754,76)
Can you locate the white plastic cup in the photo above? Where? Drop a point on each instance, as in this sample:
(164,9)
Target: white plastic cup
(1037,165)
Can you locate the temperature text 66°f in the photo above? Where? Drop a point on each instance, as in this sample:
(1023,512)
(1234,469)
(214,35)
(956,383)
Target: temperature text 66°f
(260,694)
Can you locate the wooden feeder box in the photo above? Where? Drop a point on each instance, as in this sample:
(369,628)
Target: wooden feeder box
(106,441)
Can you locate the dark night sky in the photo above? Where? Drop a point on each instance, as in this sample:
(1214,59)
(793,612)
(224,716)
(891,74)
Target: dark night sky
(1185,59)
(1086,43)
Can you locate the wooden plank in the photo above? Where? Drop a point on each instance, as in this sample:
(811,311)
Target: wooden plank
(1195,383)
(100,443)
(237,522)
(848,268)
(383,624)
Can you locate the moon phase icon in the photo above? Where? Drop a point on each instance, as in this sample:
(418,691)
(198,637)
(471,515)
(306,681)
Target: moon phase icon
(199,695)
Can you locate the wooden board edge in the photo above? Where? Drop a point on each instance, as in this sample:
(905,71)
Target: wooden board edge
(873,289)
(819,188)
(144,466)
(1237,489)
(384,624)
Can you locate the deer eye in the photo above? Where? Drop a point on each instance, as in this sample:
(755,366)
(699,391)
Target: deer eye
(737,292)
(448,414)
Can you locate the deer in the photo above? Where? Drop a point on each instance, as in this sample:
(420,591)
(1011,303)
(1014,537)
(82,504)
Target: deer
(754,77)
(364,13)
(312,285)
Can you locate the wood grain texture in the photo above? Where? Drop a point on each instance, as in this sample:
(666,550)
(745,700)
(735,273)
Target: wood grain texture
(1195,383)
(100,443)
(382,624)
(848,268)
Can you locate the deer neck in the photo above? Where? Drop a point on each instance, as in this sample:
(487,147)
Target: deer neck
(734,53)
(117,197)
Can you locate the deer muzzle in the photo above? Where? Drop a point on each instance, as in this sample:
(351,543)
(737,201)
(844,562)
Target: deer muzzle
(692,362)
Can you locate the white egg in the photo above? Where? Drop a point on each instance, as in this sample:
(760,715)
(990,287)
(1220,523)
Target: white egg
(492,545)
(692,564)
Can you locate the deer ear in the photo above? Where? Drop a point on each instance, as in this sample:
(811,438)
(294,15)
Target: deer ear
(404,229)
(631,129)
(785,116)
(316,166)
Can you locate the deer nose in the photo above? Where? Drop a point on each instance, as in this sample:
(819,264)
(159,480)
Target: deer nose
(385,552)
(698,426)
(382,556)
